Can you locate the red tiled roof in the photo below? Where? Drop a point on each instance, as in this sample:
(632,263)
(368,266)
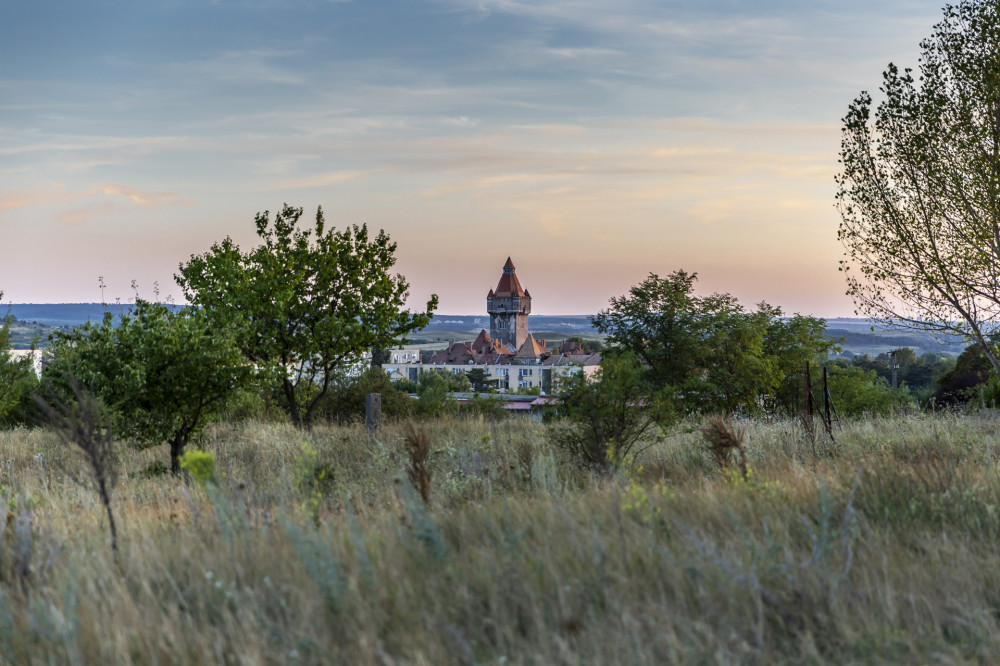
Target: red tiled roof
(532,348)
(482,342)
(509,284)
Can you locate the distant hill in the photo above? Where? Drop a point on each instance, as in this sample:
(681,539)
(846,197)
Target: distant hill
(561,324)
(64,314)
(857,333)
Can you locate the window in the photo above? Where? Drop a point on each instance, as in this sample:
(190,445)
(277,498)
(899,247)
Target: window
(501,372)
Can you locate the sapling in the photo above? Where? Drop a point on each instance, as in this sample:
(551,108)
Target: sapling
(79,424)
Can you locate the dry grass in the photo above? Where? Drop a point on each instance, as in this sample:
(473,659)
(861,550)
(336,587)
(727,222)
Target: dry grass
(882,550)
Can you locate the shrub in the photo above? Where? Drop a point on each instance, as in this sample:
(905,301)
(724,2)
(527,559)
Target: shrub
(200,465)
(604,420)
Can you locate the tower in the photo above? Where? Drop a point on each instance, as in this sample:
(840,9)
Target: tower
(508,306)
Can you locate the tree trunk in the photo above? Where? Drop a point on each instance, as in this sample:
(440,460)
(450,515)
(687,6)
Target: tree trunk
(106,500)
(293,403)
(176,448)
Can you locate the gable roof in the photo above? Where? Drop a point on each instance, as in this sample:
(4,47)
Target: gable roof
(532,348)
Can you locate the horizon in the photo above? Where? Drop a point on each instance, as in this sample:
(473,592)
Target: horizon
(594,143)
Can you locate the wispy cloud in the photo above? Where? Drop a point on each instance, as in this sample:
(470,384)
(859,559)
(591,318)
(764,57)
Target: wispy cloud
(334,178)
(123,198)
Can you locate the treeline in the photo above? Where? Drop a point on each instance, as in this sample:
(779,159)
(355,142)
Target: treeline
(278,329)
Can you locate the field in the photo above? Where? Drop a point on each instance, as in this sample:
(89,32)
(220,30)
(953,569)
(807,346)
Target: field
(317,549)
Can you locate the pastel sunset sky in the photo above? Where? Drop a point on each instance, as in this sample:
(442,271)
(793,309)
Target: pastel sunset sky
(593,141)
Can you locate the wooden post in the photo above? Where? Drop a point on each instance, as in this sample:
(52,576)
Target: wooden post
(809,393)
(373,411)
(827,418)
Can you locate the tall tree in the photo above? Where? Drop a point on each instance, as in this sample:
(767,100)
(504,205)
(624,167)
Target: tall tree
(306,303)
(160,374)
(17,374)
(919,192)
(716,354)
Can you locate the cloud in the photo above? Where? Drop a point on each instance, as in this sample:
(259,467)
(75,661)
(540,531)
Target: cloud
(146,199)
(40,196)
(334,178)
(86,213)
(124,198)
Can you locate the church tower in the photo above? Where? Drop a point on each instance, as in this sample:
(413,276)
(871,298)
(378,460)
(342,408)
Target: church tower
(508,306)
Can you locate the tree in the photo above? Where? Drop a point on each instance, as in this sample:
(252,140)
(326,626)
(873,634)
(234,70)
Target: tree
(346,401)
(659,322)
(961,382)
(919,191)
(855,391)
(17,376)
(480,380)
(713,352)
(161,375)
(607,418)
(305,303)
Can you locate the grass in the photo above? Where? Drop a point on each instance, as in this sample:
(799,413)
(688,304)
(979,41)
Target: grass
(317,549)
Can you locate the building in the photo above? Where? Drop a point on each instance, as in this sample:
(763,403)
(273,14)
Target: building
(509,354)
(509,306)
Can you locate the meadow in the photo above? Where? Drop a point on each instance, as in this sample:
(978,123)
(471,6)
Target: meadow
(317,548)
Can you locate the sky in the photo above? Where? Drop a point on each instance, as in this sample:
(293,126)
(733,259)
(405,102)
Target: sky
(593,142)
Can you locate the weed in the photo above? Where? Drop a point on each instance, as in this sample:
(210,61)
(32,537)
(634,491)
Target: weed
(418,446)
(725,443)
(200,465)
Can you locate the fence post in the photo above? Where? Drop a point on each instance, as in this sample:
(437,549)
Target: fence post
(373,411)
(809,393)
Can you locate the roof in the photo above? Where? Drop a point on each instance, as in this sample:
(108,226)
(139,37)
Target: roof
(573,359)
(509,285)
(532,348)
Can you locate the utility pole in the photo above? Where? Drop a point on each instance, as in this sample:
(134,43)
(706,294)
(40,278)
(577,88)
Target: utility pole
(895,367)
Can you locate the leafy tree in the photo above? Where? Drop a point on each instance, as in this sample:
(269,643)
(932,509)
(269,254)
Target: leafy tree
(658,321)
(380,356)
(481,381)
(17,377)
(434,390)
(712,351)
(160,374)
(346,400)
(856,391)
(306,302)
(918,193)
(605,420)
(960,383)
(792,342)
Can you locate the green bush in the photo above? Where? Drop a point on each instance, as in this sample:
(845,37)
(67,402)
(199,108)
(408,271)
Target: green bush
(345,403)
(200,465)
(856,391)
(604,420)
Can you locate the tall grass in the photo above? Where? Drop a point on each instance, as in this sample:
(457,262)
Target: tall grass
(879,548)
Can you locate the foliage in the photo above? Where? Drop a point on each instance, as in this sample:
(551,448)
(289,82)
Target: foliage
(856,391)
(314,480)
(306,303)
(481,381)
(957,386)
(434,391)
(489,406)
(200,465)
(162,375)
(17,379)
(606,419)
(918,190)
(716,355)
(346,400)
(78,423)
(815,558)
